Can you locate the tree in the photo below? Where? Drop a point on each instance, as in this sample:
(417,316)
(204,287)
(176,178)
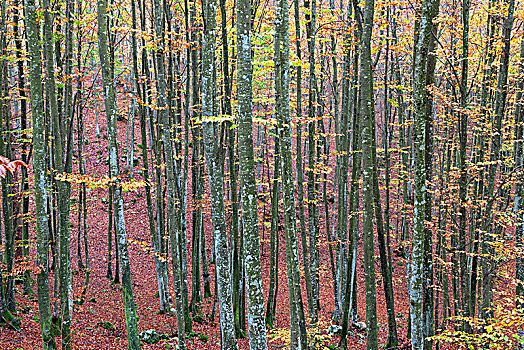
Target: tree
(422,42)
(281,61)
(60,162)
(251,255)
(216,178)
(173,186)
(40,171)
(118,201)
(519,189)
(367,111)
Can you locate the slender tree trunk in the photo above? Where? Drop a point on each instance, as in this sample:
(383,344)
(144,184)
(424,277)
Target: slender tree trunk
(173,185)
(251,252)
(341,178)
(25,157)
(463,140)
(61,156)
(299,160)
(40,171)
(5,150)
(118,201)
(160,267)
(428,279)
(350,298)
(367,108)
(313,94)
(489,265)
(281,59)
(422,45)
(275,228)
(216,178)
(519,188)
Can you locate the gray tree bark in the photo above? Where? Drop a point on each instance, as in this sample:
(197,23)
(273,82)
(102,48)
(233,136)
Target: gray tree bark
(281,59)
(367,110)
(118,201)
(422,41)
(63,187)
(251,253)
(40,173)
(213,150)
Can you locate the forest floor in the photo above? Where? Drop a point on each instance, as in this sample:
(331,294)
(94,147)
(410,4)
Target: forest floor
(104,302)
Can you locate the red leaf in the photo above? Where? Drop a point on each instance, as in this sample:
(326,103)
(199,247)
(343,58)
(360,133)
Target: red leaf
(11,167)
(4,159)
(18,163)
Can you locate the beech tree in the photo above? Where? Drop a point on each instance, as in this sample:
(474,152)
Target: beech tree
(251,255)
(362,138)
(367,107)
(282,113)
(216,178)
(41,185)
(423,38)
(118,201)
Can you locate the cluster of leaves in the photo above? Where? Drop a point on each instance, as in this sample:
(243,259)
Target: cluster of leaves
(318,335)
(503,332)
(101,182)
(146,247)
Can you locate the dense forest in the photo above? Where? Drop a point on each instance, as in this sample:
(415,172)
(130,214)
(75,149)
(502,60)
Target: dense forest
(258,174)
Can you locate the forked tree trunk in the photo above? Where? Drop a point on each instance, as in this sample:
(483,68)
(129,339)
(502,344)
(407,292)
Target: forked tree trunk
(212,149)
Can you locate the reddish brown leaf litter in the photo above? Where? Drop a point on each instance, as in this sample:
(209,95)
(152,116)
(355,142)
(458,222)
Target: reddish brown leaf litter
(103,302)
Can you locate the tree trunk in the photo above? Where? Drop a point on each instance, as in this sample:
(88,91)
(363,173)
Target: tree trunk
(367,108)
(251,251)
(40,173)
(172,183)
(422,45)
(489,264)
(61,156)
(281,60)
(519,188)
(216,178)
(118,201)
